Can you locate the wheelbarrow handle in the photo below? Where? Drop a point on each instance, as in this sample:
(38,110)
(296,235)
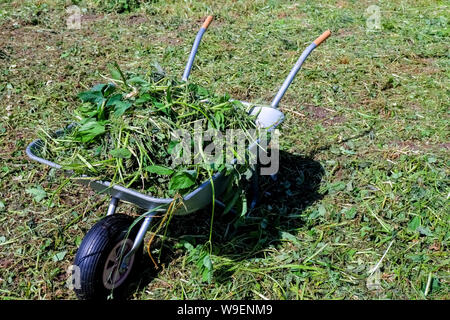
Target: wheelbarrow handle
(207,22)
(322,37)
(194,49)
(297,67)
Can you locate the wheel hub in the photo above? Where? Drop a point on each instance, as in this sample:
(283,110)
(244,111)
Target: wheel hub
(113,273)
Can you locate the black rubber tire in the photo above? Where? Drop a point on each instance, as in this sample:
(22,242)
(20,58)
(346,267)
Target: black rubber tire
(93,253)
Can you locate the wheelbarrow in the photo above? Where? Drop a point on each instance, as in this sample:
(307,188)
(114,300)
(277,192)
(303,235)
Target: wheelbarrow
(112,247)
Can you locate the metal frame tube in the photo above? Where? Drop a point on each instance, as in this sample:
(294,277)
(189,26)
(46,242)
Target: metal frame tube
(194,49)
(292,75)
(112,206)
(138,240)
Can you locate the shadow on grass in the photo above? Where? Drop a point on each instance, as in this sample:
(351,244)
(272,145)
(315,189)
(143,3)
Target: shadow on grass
(280,205)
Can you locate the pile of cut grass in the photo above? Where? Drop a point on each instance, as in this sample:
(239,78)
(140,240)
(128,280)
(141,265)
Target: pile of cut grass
(130,131)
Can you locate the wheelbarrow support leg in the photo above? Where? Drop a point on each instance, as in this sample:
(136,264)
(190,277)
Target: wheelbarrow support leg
(255,188)
(112,206)
(138,240)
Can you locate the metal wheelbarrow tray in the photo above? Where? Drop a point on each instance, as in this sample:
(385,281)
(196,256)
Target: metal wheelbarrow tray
(96,281)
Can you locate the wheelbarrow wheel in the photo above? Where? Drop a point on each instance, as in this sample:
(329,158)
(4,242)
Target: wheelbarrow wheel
(99,258)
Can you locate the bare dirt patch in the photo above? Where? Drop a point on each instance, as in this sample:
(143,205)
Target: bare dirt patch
(327,116)
(425,66)
(87,18)
(417,146)
(27,43)
(137,19)
(345,33)
(6,263)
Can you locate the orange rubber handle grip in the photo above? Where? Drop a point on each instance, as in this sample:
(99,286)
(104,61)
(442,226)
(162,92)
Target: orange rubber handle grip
(207,22)
(322,37)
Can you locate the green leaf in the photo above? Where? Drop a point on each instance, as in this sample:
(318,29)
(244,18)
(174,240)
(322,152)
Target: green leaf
(349,213)
(143,98)
(208,269)
(181,180)
(315,214)
(244,206)
(89,130)
(78,241)
(414,224)
(114,72)
(171,146)
(38,193)
(121,107)
(2,206)
(322,210)
(415,257)
(121,153)
(138,80)
(161,170)
(290,237)
(230,204)
(188,246)
(435,284)
(160,106)
(396,175)
(336,187)
(59,256)
(424,231)
(95,97)
(224,98)
(207,276)
(108,90)
(114,99)
(87,110)
(98,93)
(207,263)
(98,87)
(203,92)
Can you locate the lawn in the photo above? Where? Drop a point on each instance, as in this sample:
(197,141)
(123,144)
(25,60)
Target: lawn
(360,207)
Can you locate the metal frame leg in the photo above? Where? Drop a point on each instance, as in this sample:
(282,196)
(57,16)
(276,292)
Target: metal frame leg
(138,240)
(255,188)
(112,206)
